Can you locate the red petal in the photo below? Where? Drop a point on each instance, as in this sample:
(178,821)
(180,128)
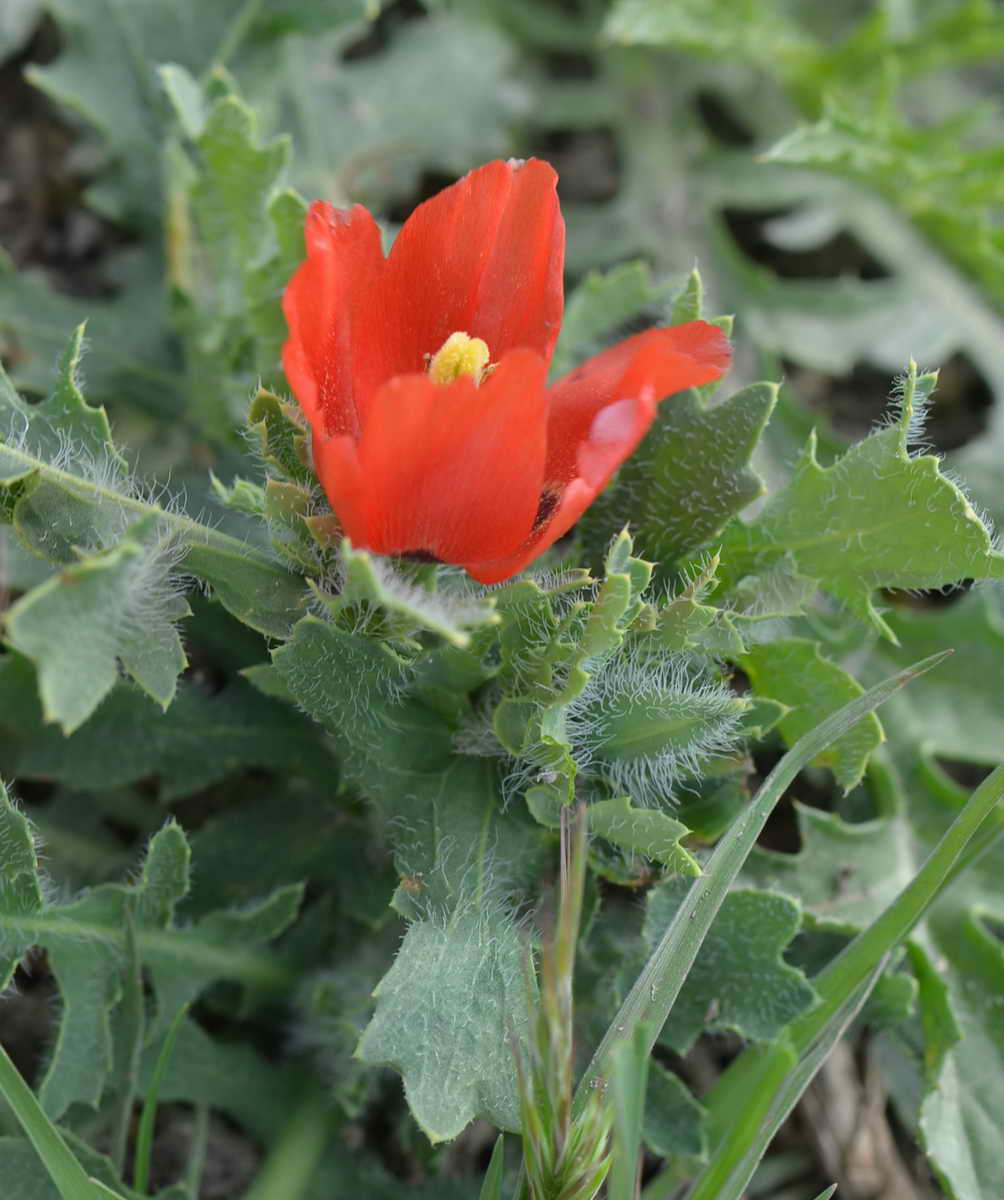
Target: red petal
(336,461)
(333,354)
(598,416)
(617,430)
(655,364)
(456,471)
(484,256)
(574,501)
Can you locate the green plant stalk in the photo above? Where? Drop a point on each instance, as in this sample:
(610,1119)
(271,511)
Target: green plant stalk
(71,1180)
(187,527)
(293,1160)
(657,987)
(836,984)
(133,1032)
(144,1135)
(565,1154)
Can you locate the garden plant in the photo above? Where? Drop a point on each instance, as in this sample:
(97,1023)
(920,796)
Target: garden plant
(476,721)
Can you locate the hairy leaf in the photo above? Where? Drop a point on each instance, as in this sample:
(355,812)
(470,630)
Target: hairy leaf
(111,608)
(688,477)
(876,518)
(202,738)
(793,672)
(446,1014)
(738,980)
(85,941)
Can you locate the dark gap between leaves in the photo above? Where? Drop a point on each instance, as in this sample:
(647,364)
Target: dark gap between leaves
(721,121)
(841,256)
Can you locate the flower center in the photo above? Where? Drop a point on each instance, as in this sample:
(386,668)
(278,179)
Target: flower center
(459,355)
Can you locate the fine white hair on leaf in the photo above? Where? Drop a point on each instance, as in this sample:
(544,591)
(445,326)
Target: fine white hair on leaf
(912,419)
(648,724)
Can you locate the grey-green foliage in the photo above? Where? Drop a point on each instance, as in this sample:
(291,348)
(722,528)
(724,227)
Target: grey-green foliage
(688,477)
(201,738)
(455,985)
(456,855)
(116,607)
(237,236)
(739,980)
(87,945)
(878,517)
(356,127)
(793,672)
(64,491)
(107,72)
(673,1118)
(647,724)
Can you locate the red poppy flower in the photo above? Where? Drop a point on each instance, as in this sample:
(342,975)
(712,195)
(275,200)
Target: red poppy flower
(423,375)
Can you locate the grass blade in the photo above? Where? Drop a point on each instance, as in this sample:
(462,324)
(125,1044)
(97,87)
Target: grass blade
(144,1135)
(628,1085)
(71,1180)
(745,1086)
(659,983)
(729,1172)
(839,978)
(293,1160)
(491,1189)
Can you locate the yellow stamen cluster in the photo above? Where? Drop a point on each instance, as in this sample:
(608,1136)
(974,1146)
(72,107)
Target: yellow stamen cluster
(459,355)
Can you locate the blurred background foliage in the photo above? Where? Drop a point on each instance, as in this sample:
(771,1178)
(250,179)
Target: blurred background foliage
(838,173)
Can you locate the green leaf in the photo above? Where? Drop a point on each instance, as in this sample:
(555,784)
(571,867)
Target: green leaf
(16,24)
(350,131)
(231,194)
(955,713)
(713,25)
(739,980)
(370,587)
(446,1014)
(230,1076)
(354,686)
(793,672)
(974,829)
(491,1189)
(85,943)
(20,887)
(106,71)
(111,608)
(686,624)
(131,362)
(654,992)
(674,1120)
(628,1083)
(64,419)
(688,477)
(199,740)
(231,254)
(60,500)
(51,1164)
(293,1160)
(636,830)
(845,874)
(876,518)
